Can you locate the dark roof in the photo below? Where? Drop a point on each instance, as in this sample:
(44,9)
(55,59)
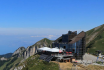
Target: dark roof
(59,39)
(71,36)
(77,38)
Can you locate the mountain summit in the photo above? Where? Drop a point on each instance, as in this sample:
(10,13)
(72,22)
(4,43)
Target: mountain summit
(31,50)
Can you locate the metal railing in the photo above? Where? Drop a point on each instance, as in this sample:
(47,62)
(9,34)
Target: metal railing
(61,54)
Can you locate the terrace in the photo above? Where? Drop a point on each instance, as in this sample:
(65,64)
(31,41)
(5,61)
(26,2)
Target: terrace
(62,55)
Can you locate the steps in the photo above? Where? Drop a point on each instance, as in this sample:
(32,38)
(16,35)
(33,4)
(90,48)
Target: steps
(47,58)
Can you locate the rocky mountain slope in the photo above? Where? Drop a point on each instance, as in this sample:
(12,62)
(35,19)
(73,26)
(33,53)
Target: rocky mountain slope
(19,51)
(31,50)
(22,53)
(95,39)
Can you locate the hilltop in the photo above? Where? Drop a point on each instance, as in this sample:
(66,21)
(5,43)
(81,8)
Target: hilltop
(44,42)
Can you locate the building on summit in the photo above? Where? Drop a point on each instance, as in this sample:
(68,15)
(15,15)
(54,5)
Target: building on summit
(69,47)
(72,42)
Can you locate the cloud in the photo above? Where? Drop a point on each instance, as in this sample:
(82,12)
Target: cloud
(38,36)
(31,31)
(48,36)
(34,31)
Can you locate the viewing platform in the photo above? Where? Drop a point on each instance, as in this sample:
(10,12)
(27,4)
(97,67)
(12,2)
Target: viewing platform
(61,55)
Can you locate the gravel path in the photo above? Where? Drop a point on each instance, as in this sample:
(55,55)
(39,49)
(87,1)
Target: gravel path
(90,57)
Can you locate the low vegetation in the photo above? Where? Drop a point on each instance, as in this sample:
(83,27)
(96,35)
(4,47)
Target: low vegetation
(34,63)
(97,43)
(44,41)
(10,63)
(95,67)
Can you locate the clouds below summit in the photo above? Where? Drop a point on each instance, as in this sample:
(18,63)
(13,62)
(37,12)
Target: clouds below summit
(34,31)
(48,36)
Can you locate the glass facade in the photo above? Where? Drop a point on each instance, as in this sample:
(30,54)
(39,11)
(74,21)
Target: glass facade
(77,47)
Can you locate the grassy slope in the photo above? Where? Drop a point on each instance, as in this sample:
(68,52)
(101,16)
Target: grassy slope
(98,42)
(45,40)
(12,62)
(95,67)
(34,63)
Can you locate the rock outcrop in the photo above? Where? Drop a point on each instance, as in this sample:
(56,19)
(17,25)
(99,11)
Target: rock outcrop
(19,51)
(2,59)
(31,50)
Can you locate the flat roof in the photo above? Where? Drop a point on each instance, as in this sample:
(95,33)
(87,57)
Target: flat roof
(50,49)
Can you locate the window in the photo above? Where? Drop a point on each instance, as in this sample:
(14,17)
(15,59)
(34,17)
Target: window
(64,47)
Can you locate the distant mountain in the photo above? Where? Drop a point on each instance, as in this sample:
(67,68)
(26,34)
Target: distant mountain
(10,63)
(95,39)
(8,55)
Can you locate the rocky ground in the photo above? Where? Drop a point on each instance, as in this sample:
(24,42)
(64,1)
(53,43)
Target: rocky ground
(90,59)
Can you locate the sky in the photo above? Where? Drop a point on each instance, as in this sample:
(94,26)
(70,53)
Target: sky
(24,22)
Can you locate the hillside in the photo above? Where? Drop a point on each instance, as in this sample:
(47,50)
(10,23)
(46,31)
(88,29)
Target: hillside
(10,63)
(8,55)
(21,54)
(95,39)
(34,63)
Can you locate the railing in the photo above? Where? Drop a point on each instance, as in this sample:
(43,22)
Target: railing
(61,54)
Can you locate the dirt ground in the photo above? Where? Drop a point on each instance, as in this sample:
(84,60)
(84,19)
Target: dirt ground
(69,66)
(65,66)
(95,67)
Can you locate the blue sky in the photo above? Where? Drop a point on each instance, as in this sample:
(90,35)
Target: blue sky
(24,22)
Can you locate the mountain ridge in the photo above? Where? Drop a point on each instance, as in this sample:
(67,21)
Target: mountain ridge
(94,41)
(22,53)
(8,55)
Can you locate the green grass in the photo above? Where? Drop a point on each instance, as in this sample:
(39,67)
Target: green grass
(99,62)
(89,32)
(97,43)
(99,28)
(46,41)
(11,63)
(37,64)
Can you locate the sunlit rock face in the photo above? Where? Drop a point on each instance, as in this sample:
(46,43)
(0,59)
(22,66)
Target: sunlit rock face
(18,51)
(31,50)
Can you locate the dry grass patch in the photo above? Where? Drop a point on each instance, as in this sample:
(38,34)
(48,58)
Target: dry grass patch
(95,67)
